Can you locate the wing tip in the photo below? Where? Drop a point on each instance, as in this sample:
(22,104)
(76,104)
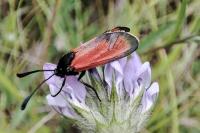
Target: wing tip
(134,41)
(118,29)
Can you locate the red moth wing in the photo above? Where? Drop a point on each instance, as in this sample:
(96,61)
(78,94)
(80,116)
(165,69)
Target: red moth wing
(103,49)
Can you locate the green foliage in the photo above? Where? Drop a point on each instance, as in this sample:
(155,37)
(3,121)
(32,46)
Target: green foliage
(38,31)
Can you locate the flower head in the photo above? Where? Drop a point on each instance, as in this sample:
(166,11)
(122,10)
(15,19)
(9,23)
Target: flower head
(125,91)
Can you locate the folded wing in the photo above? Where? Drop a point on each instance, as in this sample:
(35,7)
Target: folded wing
(103,49)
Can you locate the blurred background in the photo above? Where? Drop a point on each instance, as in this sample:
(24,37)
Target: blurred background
(33,32)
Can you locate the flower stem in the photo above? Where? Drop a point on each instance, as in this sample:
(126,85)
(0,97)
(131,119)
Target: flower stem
(172,91)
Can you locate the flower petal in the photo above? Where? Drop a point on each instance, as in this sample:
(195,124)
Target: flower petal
(122,62)
(56,101)
(117,66)
(61,105)
(49,66)
(72,85)
(130,72)
(149,97)
(78,89)
(108,73)
(144,75)
(55,80)
(68,111)
(136,59)
(95,74)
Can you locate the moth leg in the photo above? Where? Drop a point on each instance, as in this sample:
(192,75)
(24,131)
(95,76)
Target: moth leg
(81,75)
(89,86)
(63,83)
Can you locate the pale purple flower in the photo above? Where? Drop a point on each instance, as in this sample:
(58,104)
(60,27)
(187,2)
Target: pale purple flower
(132,76)
(72,91)
(124,87)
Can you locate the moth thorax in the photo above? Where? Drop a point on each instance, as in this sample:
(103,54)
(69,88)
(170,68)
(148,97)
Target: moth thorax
(69,69)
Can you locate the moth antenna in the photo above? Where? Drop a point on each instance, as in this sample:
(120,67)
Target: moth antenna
(26,100)
(21,75)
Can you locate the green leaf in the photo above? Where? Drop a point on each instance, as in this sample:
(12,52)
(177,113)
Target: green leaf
(8,86)
(179,20)
(195,27)
(153,37)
